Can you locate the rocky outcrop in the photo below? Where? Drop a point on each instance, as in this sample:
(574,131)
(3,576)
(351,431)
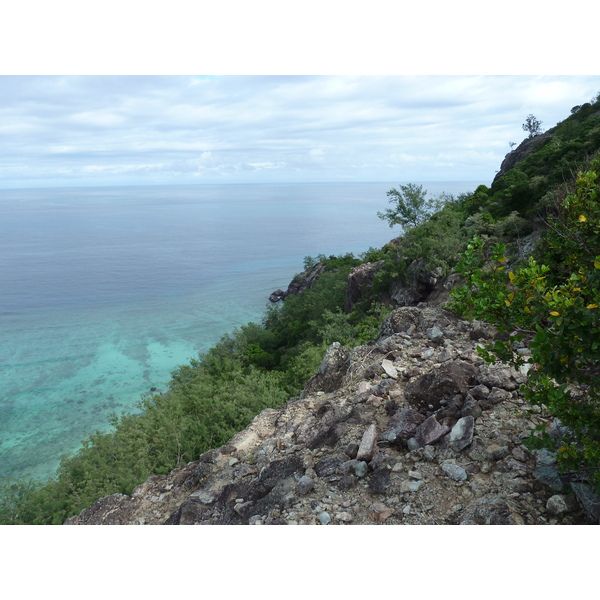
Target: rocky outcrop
(360,280)
(301,282)
(411,428)
(521,152)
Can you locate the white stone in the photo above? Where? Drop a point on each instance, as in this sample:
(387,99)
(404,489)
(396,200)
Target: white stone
(388,367)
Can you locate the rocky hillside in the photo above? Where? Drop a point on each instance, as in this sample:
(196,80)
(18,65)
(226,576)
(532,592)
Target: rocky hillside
(412,428)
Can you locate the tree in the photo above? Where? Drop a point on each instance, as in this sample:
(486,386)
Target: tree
(532,125)
(558,311)
(411,206)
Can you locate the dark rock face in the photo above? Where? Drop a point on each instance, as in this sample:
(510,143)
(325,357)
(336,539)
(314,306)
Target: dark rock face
(521,152)
(403,424)
(301,282)
(359,280)
(428,391)
(331,372)
(421,282)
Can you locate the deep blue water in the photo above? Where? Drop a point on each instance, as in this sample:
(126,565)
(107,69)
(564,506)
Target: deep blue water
(105,291)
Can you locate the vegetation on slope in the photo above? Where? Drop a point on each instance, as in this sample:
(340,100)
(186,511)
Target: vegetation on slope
(208,401)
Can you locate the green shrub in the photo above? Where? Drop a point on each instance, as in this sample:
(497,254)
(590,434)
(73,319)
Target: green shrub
(559,316)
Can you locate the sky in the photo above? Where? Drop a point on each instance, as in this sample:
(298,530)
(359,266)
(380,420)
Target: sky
(96,130)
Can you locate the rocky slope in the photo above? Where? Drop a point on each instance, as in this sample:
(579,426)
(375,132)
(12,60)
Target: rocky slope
(412,428)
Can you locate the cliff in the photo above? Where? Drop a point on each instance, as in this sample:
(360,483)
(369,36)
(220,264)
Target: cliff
(411,428)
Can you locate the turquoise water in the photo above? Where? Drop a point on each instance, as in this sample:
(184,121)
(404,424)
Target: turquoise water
(105,291)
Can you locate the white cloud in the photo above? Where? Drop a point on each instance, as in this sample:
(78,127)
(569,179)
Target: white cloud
(69,130)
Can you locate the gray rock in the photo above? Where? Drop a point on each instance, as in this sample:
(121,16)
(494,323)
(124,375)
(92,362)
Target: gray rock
(305,485)
(559,504)
(324,518)
(455,472)
(347,482)
(331,371)
(544,458)
(411,486)
(471,408)
(429,432)
(435,333)
(429,452)
(462,433)
(498,395)
(388,367)
(351,450)
(429,390)
(479,392)
(361,469)
(379,481)
(403,424)
(549,475)
(491,509)
(588,498)
(498,376)
(368,444)
(327,466)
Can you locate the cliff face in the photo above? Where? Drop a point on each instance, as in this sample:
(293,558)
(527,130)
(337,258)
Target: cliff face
(522,151)
(412,428)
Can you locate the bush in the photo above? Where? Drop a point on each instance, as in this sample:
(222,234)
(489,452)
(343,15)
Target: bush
(558,315)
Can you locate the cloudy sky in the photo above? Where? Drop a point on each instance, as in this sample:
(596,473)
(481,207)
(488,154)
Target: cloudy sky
(122,130)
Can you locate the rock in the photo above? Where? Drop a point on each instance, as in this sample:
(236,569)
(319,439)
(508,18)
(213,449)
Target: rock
(435,334)
(429,390)
(305,485)
(368,444)
(544,458)
(455,472)
(429,432)
(304,280)
(299,461)
(496,452)
(347,482)
(549,476)
(411,486)
(403,425)
(324,518)
(277,295)
(494,376)
(498,395)
(380,512)
(360,279)
(327,466)
(588,499)
(388,367)
(462,433)
(379,480)
(479,392)
(491,509)
(559,504)
(361,469)
(331,371)
(351,450)
(471,408)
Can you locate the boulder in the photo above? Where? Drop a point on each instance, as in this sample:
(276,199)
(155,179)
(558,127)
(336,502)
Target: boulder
(429,390)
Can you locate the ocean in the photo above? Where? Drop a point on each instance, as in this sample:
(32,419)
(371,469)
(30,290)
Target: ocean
(105,291)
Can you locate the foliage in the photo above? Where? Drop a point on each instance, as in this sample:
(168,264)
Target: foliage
(532,125)
(411,206)
(557,310)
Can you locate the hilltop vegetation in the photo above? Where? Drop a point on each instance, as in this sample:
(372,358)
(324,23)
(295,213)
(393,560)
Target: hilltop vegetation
(263,364)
